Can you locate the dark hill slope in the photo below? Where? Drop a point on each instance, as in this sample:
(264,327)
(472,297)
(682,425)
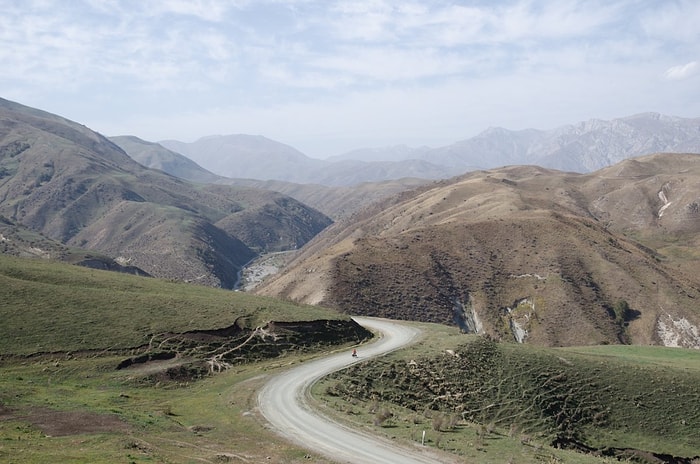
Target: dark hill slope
(75,186)
(521,253)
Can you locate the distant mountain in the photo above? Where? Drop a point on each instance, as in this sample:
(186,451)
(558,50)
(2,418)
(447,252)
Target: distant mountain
(329,185)
(523,253)
(74,186)
(155,156)
(495,147)
(256,157)
(349,173)
(246,156)
(333,201)
(583,147)
(391,153)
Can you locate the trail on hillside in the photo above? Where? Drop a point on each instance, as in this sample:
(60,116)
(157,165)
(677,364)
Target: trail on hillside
(284,404)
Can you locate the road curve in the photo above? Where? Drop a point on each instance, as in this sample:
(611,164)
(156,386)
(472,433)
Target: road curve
(283,401)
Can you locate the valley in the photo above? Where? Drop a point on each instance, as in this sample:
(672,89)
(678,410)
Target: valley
(262,268)
(85,192)
(538,291)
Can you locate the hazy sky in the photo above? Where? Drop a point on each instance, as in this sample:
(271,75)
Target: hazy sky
(328,76)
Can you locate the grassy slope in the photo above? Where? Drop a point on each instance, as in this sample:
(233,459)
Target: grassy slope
(652,356)
(59,309)
(508,401)
(651,393)
(47,307)
(211,420)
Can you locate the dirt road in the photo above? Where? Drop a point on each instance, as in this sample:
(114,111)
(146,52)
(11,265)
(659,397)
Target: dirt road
(284,403)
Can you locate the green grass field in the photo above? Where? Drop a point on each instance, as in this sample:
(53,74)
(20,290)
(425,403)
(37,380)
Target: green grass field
(62,400)
(47,307)
(82,410)
(64,330)
(642,355)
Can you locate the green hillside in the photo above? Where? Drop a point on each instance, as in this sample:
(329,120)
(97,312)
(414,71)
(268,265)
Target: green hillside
(498,400)
(105,367)
(49,307)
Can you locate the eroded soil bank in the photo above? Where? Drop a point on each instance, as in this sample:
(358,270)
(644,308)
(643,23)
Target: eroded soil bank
(205,352)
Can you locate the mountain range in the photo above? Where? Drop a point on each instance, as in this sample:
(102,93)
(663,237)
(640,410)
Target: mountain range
(257,157)
(583,147)
(78,188)
(342,184)
(333,201)
(518,252)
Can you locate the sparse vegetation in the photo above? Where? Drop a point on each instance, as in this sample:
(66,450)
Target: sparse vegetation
(580,399)
(623,312)
(77,410)
(382,416)
(574,247)
(12,149)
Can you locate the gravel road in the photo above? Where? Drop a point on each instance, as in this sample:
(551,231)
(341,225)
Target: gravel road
(283,401)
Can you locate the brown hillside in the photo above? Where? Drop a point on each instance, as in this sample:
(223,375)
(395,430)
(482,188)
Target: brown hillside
(72,185)
(521,253)
(335,202)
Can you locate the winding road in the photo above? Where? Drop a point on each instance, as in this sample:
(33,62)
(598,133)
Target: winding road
(283,401)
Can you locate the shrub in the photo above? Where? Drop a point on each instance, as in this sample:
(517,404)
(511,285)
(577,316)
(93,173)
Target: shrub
(382,416)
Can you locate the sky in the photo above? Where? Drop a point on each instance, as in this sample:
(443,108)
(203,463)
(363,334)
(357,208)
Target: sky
(330,76)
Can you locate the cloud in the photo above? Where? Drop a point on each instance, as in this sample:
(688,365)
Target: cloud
(408,113)
(450,24)
(673,21)
(682,71)
(319,70)
(289,44)
(205,10)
